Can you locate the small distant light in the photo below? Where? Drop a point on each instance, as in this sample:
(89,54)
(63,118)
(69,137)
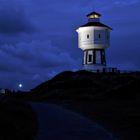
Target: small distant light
(20,85)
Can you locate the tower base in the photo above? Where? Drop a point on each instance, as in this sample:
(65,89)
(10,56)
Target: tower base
(96,67)
(100,68)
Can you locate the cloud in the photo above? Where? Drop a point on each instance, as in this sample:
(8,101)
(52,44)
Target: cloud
(40,52)
(126,2)
(34,61)
(38,38)
(14,20)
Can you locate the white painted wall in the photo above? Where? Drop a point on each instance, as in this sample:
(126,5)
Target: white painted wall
(98,57)
(93,42)
(84,58)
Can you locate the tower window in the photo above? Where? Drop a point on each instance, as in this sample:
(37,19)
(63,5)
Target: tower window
(88,36)
(99,35)
(89,58)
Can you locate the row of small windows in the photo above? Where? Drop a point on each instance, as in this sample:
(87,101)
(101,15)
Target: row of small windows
(99,36)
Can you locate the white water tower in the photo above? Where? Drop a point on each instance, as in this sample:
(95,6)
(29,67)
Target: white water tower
(93,39)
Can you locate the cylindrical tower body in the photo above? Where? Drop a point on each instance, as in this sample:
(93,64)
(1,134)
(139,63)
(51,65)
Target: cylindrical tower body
(93,39)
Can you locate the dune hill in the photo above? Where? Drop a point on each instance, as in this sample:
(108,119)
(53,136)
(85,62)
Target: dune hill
(110,99)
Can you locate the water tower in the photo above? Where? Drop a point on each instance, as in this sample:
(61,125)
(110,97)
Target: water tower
(93,39)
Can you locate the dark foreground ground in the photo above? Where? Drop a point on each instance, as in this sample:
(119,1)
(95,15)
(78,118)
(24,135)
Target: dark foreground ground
(17,120)
(112,100)
(41,121)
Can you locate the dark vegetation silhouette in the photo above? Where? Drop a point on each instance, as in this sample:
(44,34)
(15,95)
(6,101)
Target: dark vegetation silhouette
(110,99)
(17,120)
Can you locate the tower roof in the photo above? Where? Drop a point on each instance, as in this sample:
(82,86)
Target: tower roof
(94,20)
(98,24)
(93,13)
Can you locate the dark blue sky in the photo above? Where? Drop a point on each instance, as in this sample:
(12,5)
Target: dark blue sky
(38,38)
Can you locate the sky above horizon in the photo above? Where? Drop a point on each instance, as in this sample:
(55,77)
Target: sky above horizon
(38,37)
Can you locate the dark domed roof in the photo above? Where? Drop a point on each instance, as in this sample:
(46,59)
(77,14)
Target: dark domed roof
(98,24)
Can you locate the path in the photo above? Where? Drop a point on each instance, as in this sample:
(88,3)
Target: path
(56,123)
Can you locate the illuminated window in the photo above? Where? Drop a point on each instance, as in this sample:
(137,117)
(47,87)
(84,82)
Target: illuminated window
(88,36)
(96,16)
(93,16)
